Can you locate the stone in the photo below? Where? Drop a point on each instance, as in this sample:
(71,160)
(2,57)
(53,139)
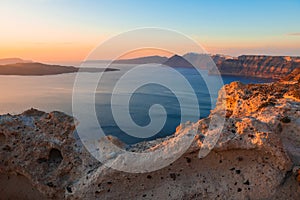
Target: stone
(255,157)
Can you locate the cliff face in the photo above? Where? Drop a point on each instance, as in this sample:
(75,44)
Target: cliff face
(293,76)
(274,67)
(256,157)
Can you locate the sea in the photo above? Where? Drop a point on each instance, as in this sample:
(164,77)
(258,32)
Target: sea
(55,93)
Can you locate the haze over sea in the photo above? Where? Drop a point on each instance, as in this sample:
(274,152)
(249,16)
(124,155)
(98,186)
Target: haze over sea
(54,92)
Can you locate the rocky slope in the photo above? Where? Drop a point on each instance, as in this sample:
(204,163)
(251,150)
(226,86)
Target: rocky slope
(256,157)
(274,67)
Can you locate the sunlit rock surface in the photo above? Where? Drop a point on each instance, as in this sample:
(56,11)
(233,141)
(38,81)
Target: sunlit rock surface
(257,155)
(274,67)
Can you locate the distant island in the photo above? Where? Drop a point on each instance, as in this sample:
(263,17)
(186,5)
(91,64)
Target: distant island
(40,69)
(142,60)
(177,61)
(6,61)
(263,66)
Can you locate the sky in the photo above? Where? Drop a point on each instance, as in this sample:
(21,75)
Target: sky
(68,30)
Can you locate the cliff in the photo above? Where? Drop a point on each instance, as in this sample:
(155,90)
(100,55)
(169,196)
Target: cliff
(293,76)
(257,155)
(274,67)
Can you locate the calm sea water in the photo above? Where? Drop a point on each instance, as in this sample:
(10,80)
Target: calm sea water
(54,92)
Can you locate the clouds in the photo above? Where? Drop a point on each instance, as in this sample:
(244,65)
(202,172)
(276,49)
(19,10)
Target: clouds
(294,34)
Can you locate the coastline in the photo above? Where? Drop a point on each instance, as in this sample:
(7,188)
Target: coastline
(40,69)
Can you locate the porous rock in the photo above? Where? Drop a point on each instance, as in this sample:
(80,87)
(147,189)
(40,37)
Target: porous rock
(257,155)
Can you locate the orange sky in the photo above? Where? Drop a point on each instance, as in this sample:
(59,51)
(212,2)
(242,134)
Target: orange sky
(54,31)
(78,51)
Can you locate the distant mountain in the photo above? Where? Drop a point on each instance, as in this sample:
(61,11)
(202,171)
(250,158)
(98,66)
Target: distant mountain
(205,61)
(39,69)
(274,67)
(177,61)
(6,61)
(263,66)
(143,60)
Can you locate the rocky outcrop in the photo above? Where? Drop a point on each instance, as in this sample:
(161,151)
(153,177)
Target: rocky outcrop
(257,155)
(274,67)
(40,149)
